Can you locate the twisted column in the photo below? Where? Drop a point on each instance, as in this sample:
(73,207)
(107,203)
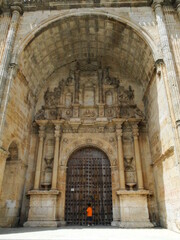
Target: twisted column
(135,131)
(168,59)
(40,153)
(57,135)
(119,135)
(16,11)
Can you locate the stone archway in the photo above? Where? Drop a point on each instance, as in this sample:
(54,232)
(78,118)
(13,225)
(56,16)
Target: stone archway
(88,181)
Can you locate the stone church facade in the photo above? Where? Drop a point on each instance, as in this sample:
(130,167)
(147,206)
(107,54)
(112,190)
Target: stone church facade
(90,113)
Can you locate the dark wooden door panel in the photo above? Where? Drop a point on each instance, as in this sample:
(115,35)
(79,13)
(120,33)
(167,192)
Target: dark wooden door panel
(88,181)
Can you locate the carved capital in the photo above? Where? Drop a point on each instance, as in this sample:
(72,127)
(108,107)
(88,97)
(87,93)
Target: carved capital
(42,127)
(17,6)
(157,3)
(135,129)
(119,133)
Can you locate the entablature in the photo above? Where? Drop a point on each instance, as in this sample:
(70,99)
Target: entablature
(34,5)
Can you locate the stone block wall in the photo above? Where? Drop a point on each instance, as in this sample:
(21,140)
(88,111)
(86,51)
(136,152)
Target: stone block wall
(162,157)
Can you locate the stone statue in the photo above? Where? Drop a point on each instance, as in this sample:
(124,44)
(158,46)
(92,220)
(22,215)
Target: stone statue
(49,98)
(40,115)
(130,93)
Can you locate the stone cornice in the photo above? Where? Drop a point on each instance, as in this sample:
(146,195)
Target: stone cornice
(33,5)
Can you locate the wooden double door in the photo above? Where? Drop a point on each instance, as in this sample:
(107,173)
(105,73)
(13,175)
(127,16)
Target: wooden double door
(88,181)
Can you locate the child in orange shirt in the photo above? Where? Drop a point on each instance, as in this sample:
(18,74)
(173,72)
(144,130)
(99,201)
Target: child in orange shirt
(89,214)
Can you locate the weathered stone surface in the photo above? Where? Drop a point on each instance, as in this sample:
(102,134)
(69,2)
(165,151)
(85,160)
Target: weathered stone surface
(89,75)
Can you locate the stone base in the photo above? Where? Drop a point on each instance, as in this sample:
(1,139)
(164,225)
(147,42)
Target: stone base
(115,224)
(41,224)
(135,224)
(134,209)
(42,212)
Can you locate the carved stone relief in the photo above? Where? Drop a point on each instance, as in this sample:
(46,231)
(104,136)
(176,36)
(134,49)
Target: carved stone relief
(89,92)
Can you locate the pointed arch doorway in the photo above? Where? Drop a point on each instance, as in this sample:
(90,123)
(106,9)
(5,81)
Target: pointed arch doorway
(88,181)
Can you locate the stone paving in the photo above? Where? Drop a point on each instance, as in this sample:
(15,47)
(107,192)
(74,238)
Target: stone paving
(87,233)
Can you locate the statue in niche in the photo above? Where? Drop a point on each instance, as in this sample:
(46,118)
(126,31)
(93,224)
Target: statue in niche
(68,99)
(40,115)
(57,94)
(109,98)
(47,177)
(130,93)
(59,114)
(70,78)
(129,163)
(107,79)
(49,98)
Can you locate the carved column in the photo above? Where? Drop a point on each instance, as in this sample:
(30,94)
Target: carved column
(137,156)
(3,156)
(16,12)
(56,154)
(168,59)
(100,83)
(100,92)
(76,78)
(40,153)
(76,92)
(120,154)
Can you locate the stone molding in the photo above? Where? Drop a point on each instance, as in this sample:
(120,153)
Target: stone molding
(31,5)
(99,143)
(44,192)
(138,192)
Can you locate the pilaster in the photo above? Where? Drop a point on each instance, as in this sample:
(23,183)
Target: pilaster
(16,11)
(135,131)
(168,59)
(119,134)
(57,135)
(3,156)
(42,124)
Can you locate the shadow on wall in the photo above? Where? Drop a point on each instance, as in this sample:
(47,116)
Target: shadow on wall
(160,137)
(12,189)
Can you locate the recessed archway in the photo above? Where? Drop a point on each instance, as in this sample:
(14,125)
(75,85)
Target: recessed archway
(88,181)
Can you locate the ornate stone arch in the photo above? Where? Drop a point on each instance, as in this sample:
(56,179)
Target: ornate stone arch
(98,143)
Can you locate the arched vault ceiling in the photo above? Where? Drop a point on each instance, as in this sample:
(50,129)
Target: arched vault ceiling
(86,37)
